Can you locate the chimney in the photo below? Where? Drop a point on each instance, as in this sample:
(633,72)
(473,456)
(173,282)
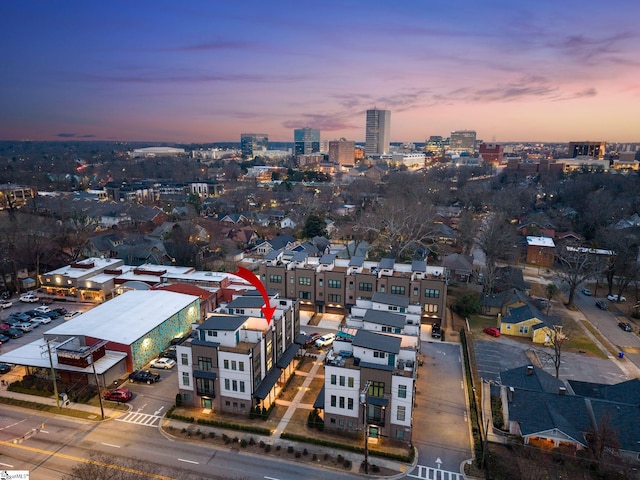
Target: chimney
(562,391)
(529,369)
(510,393)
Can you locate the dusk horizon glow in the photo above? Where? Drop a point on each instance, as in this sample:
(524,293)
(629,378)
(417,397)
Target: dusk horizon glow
(205,72)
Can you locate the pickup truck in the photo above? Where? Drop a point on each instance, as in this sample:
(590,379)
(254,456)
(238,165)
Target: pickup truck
(144,376)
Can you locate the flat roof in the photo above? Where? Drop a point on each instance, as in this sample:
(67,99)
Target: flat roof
(127,317)
(99,264)
(540,242)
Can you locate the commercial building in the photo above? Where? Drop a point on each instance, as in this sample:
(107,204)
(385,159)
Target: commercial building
(342,152)
(378,132)
(252,144)
(463,141)
(492,153)
(15,196)
(587,149)
(306,141)
(237,362)
(333,285)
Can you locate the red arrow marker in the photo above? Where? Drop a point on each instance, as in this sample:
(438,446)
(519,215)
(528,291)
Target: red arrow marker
(249,276)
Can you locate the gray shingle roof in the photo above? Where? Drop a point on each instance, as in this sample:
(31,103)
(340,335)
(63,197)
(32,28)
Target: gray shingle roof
(387,263)
(385,318)
(223,322)
(377,341)
(247,301)
(418,266)
(390,299)
(538,380)
(327,258)
(356,261)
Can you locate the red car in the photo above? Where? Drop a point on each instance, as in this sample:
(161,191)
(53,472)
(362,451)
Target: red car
(493,331)
(119,395)
(311,339)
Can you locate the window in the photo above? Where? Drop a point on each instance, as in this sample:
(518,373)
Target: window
(241,366)
(401,414)
(234,385)
(432,293)
(333,400)
(341,402)
(365,287)
(242,387)
(304,295)
(415,291)
(227,384)
(304,280)
(379,355)
(234,365)
(400,434)
(402,391)
(226,364)
(350,382)
(387,329)
(382,288)
(320,282)
(524,329)
(227,403)
(349,403)
(205,364)
(341,422)
(212,333)
(392,308)
(184,358)
(350,424)
(431,308)
(185,379)
(376,389)
(275,278)
(342,380)
(334,284)
(335,298)
(333,379)
(397,289)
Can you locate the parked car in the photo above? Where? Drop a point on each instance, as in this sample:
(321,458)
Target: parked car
(162,362)
(13,332)
(41,320)
(71,315)
(31,313)
(615,298)
(122,395)
(4,326)
(144,376)
(18,317)
(53,314)
(170,353)
(311,339)
(61,311)
(5,368)
(325,340)
(601,305)
(626,326)
(5,304)
(25,326)
(493,331)
(43,309)
(6,295)
(436,331)
(4,338)
(29,298)
(587,292)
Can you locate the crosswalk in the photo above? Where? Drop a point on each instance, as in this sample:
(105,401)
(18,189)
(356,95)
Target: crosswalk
(141,419)
(430,473)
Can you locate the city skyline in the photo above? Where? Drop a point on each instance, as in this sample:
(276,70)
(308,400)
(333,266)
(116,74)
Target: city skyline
(204,73)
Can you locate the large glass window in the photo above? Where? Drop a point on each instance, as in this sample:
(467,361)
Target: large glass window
(402,412)
(397,289)
(335,298)
(402,391)
(432,293)
(275,278)
(304,280)
(335,284)
(365,287)
(205,364)
(376,389)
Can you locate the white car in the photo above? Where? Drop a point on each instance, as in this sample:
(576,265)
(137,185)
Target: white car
(25,326)
(5,303)
(165,363)
(41,320)
(325,340)
(614,298)
(42,309)
(70,315)
(29,298)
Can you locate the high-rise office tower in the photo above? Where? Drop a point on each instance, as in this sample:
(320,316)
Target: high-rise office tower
(463,141)
(377,133)
(305,141)
(590,149)
(252,144)
(342,152)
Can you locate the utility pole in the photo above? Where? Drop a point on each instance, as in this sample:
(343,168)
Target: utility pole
(95,376)
(364,400)
(53,375)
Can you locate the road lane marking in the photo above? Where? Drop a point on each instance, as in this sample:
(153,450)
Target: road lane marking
(6,465)
(188,461)
(111,445)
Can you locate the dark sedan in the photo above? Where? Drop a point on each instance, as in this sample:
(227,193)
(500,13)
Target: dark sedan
(144,376)
(626,326)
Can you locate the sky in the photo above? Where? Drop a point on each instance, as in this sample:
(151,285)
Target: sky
(207,71)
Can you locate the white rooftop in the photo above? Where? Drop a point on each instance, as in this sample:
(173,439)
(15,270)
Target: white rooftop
(127,317)
(98,265)
(540,242)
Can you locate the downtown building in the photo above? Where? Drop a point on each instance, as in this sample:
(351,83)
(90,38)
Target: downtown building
(306,141)
(378,132)
(235,361)
(587,149)
(342,152)
(328,284)
(252,144)
(463,141)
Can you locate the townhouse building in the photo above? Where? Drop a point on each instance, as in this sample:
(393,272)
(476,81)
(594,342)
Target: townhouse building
(333,285)
(371,370)
(236,360)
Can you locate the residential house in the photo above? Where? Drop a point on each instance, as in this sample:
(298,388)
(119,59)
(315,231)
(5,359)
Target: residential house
(529,322)
(541,251)
(284,241)
(460,267)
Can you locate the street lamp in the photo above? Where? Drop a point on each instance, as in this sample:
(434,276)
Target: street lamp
(364,400)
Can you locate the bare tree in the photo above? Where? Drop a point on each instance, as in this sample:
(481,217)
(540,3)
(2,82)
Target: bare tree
(576,265)
(496,241)
(551,290)
(556,339)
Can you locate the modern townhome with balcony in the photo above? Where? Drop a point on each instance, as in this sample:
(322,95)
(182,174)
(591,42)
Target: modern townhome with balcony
(370,371)
(236,360)
(333,285)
